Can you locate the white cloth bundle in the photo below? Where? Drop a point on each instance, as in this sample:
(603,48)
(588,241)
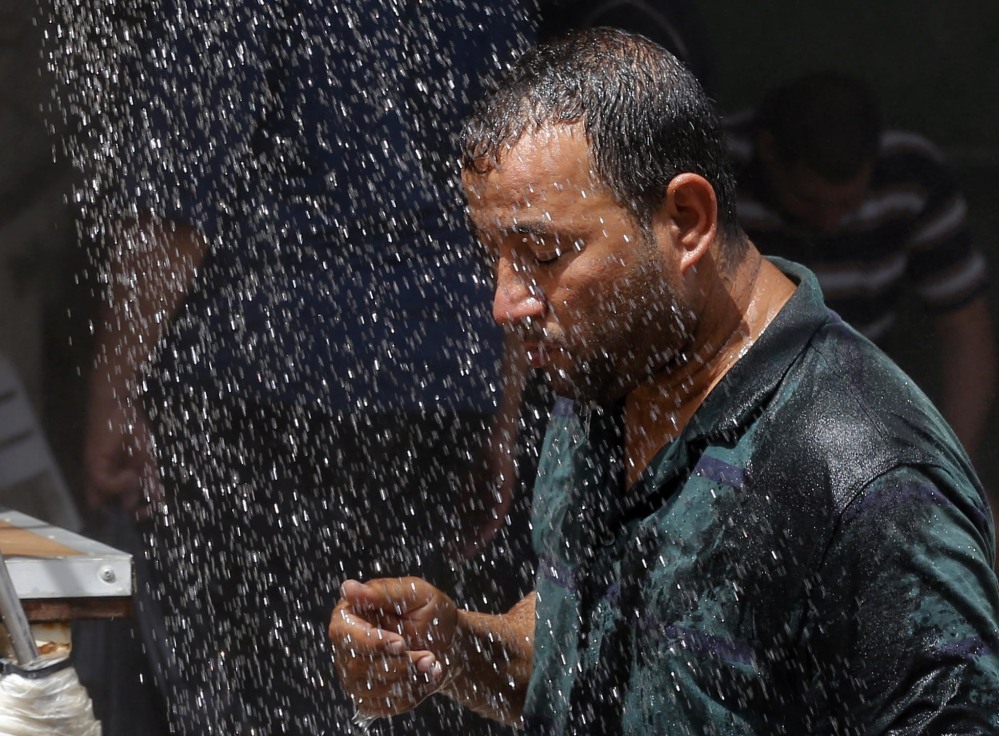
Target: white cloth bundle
(48,702)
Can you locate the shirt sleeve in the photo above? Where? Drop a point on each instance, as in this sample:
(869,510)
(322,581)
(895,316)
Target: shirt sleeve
(908,604)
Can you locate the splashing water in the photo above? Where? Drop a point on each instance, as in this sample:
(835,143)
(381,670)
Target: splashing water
(295,349)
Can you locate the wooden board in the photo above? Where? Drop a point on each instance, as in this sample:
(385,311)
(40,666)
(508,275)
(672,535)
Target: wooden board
(17,541)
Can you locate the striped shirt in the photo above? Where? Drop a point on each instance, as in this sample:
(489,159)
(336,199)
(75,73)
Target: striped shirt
(811,555)
(910,232)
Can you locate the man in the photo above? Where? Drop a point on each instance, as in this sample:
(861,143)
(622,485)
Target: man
(876,215)
(748,520)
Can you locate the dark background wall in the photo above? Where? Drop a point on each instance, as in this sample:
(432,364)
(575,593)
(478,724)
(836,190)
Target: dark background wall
(933,63)
(935,68)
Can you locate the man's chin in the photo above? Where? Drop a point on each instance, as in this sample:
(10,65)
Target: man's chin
(582,388)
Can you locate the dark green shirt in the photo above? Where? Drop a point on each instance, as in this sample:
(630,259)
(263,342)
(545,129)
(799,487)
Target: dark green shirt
(811,555)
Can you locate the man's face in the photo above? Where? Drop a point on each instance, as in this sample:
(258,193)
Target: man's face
(576,279)
(815,202)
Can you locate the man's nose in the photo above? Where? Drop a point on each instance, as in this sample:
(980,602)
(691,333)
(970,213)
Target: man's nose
(517,299)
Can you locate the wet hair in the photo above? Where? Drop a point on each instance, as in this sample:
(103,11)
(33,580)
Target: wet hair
(827,121)
(645,117)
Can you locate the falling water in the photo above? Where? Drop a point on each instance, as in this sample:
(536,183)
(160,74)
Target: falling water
(295,361)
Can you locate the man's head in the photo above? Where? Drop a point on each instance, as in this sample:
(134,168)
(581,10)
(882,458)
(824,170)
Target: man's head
(818,140)
(597,179)
(645,117)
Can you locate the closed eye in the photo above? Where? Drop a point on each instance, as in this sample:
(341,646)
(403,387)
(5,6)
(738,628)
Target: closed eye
(549,256)
(544,253)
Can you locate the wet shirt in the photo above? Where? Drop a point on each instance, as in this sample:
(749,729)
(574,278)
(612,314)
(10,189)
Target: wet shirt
(811,555)
(314,144)
(909,234)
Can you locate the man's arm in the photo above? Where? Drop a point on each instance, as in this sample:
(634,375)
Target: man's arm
(148,274)
(397,641)
(497,652)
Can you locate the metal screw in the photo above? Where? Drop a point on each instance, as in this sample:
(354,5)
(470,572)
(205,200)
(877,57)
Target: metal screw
(107,575)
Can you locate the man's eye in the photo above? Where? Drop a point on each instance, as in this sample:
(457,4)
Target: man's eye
(548,256)
(526,237)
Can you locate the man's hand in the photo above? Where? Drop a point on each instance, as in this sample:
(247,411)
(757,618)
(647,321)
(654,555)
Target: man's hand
(391,640)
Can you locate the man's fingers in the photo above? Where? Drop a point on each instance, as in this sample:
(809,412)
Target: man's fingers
(372,628)
(357,594)
(387,596)
(398,685)
(382,683)
(412,672)
(427,666)
(380,655)
(351,631)
(371,636)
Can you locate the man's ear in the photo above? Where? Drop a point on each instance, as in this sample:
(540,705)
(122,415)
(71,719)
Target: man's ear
(691,216)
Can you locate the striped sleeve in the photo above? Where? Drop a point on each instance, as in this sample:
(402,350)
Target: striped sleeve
(947,271)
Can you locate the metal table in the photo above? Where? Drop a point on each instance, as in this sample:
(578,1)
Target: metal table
(60,576)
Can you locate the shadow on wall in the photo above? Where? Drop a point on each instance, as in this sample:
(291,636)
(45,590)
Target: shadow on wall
(38,250)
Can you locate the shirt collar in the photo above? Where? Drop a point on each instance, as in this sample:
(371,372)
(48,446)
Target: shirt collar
(731,405)
(745,387)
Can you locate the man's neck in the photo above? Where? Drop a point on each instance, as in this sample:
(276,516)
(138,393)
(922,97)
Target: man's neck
(656,412)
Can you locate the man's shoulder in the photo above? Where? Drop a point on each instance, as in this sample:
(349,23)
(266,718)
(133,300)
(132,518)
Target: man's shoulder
(844,415)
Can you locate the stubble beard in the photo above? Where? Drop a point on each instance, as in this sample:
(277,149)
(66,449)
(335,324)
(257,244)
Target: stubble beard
(654,341)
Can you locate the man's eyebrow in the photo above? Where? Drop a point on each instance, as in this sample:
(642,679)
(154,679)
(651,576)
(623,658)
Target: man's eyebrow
(530,227)
(541,229)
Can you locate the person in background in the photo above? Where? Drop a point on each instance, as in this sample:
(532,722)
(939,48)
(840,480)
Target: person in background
(295,375)
(749,520)
(875,213)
